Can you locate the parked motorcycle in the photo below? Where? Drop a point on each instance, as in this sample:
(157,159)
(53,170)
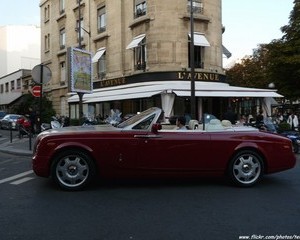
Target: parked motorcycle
(54,124)
(295,137)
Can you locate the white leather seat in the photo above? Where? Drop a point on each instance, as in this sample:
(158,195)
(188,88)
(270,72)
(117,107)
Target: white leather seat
(214,125)
(226,123)
(193,124)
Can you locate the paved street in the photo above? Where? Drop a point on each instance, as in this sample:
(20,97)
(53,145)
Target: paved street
(33,208)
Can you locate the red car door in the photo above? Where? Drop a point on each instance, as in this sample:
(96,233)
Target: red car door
(174,150)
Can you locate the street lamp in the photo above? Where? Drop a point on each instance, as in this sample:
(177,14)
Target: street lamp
(80,94)
(192,63)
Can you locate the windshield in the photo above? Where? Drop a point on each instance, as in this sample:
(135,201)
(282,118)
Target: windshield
(135,118)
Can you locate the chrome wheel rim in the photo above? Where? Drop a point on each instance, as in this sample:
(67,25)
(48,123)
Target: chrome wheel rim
(72,171)
(247,168)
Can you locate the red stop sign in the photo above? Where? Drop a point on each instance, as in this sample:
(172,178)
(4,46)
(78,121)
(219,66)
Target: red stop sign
(36,91)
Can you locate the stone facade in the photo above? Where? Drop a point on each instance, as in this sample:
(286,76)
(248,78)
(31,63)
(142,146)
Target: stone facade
(166,25)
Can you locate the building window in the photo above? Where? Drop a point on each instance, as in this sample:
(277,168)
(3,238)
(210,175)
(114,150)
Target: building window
(140,8)
(12,85)
(2,89)
(102,66)
(100,59)
(198,59)
(19,83)
(26,84)
(200,43)
(101,25)
(61,6)
(140,55)
(47,42)
(62,73)
(6,87)
(197,6)
(47,13)
(62,38)
(80,30)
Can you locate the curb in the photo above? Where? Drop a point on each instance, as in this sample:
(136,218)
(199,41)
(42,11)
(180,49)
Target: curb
(16,151)
(16,147)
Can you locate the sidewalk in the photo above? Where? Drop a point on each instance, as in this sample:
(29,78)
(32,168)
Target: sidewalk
(17,146)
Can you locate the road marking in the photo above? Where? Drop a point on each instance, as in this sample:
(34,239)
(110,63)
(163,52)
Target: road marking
(22,180)
(16,176)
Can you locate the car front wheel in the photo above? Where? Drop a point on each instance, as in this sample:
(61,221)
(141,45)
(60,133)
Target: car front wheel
(246,168)
(72,170)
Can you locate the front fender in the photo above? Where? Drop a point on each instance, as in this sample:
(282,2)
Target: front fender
(72,145)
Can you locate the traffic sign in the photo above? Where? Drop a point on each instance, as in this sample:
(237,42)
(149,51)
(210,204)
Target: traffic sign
(36,91)
(41,74)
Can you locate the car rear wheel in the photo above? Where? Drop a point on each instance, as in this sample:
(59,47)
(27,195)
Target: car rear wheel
(246,168)
(72,170)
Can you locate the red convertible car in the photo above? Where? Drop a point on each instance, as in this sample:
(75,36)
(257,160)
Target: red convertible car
(143,147)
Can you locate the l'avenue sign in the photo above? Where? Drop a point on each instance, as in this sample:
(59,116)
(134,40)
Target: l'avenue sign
(202,76)
(160,76)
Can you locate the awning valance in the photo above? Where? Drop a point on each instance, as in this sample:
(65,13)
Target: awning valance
(136,41)
(122,96)
(228,94)
(98,54)
(180,88)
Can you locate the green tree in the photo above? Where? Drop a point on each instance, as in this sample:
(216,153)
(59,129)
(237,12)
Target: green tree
(32,102)
(251,71)
(284,57)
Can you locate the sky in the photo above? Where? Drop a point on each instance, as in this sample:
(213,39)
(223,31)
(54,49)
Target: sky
(252,22)
(247,22)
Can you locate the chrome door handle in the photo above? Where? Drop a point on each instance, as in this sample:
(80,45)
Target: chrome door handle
(147,136)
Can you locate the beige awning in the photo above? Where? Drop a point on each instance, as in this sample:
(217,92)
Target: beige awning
(200,40)
(136,41)
(98,54)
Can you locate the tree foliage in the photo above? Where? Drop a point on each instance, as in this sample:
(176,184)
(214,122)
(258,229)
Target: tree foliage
(32,102)
(277,62)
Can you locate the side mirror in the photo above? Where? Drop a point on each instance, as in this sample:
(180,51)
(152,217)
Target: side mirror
(156,127)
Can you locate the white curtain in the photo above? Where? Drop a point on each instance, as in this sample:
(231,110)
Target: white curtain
(267,106)
(167,102)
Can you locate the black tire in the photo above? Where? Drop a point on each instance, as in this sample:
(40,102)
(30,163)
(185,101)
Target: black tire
(295,147)
(72,170)
(246,168)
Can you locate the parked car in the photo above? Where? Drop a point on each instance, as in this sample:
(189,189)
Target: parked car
(9,120)
(23,126)
(2,114)
(139,147)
